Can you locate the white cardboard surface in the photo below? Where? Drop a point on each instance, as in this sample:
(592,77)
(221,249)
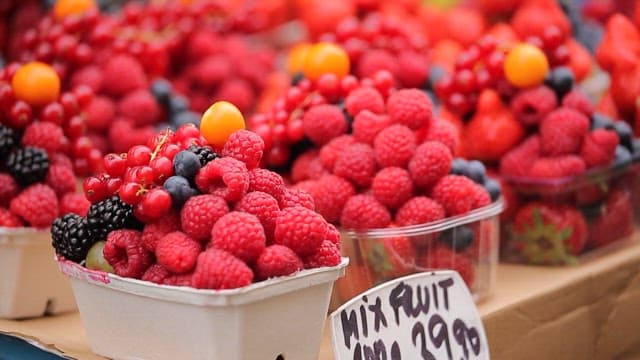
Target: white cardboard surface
(429,315)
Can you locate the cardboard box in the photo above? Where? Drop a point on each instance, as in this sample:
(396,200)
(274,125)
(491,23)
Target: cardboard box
(590,311)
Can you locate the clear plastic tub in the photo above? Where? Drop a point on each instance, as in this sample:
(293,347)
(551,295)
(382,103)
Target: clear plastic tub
(30,283)
(380,255)
(569,220)
(276,319)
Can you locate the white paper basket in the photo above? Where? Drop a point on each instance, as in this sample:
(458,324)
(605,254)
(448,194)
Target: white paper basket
(281,318)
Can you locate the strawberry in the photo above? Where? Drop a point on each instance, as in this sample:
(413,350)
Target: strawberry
(493,130)
(534,16)
(620,47)
(616,221)
(391,257)
(549,234)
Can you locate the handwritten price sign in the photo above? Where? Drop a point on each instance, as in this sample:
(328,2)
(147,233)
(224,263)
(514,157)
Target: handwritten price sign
(428,316)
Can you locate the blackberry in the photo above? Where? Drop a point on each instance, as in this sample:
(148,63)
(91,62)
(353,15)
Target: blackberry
(71,237)
(205,154)
(457,238)
(7,140)
(161,90)
(28,165)
(108,215)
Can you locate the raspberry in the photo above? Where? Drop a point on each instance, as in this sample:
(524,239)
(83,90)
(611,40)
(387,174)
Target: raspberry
(577,100)
(8,189)
(480,197)
(455,193)
(412,69)
(442,257)
(364,212)
(307,166)
(419,210)
(100,113)
(211,71)
(218,269)
(156,273)
(300,229)
(89,75)
(224,177)
(60,159)
(200,213)
(238,92)
(122,74)
(7,219)
(557,167)
(518,161)
(445,133)
(296,197)
(367,125)
(245,146)
(126,254)
(561,131)
(37,205)
(328,254)
(123,136)
(239,233)
(330,193)
(177,252)
(356,163)
(376,60)
(179,279)
(599,147)
(61,179)
(392,186)
(394,146)
(333,234)
(364,98)
(277,260)
(264,207)
(324,122)
(431,161)
(332,150)
(410,107)
(74,203)
(44,135)
(153,232)
(141,107)
(266,181)
(530,106)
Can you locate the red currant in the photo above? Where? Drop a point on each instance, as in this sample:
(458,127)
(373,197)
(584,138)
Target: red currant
(69,103)
(131,192)
(162,168)
(95,160)
(552,37)
(170,150)
(113,185)
(144,175)
(465,81)
(53,113)
(186,132)
(6,96)
(295,130)
(138,155)
(82,146)
(278,155)
(94,189)
(20,115)
(75,127)
(155,203)
(84,95)
(114,165)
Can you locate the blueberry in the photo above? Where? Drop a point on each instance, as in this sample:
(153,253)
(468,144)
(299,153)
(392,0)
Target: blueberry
(561,80)
(476,171)
(459,167)
(457,238)
(435,73)
(623,157)
(178,103)
(590,35)
(184,117)
(636,149)
(493,188)
(624,133)
(180,190)
(186,164)
(600,121)
(161,90)
(296,78)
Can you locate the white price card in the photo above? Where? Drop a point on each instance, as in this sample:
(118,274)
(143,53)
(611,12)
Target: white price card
(428,316)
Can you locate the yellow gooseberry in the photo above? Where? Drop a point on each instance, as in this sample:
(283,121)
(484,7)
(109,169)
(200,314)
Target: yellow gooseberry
(525,65)
(326,58)
(36,83)
(296,58)
(64,8)
(220,121)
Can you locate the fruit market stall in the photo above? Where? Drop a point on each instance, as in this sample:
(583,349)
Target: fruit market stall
(588,311)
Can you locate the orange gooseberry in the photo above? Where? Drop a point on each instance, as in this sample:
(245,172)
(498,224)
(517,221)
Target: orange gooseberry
(36,83)
(525,65)
(296,57)
(220,121)
(326,58)
(64,8)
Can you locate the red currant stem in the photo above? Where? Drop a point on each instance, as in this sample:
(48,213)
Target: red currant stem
(163,140)
(299,109)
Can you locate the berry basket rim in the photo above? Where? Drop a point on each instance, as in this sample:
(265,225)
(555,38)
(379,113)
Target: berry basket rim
(204,297)
(485,212)
(15,235)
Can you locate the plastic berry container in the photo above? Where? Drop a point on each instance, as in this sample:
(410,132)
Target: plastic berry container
(280,318)
(30,283)
(570,220)
(466,243)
